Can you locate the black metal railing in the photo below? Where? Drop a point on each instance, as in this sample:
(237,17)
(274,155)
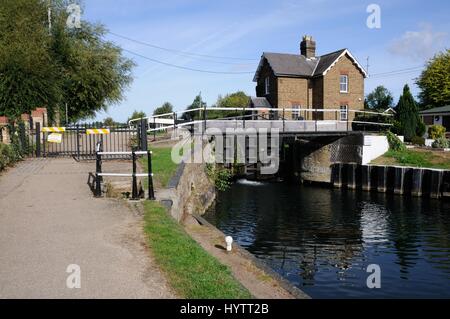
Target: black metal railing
(99,174)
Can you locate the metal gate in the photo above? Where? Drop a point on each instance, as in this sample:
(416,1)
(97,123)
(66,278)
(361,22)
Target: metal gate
(80,141)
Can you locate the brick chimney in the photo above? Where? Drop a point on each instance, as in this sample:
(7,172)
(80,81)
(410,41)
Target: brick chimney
(308,47)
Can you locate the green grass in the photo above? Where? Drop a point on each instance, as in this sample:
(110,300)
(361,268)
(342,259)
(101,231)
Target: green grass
(418,159)
(162,165)
(191,271)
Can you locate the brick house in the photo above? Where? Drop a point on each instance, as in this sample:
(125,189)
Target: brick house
(332,81)
(39,115)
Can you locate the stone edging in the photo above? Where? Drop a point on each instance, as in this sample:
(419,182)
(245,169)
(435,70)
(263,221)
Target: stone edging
(294,291)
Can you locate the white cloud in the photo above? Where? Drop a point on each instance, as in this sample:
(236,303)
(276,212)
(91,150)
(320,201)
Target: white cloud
(419,45)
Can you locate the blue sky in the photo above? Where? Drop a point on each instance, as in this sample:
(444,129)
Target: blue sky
(411,32)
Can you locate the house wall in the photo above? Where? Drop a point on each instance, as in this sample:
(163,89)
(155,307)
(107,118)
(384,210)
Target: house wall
(317,93)
(266,71)
(333,98)
(294,91)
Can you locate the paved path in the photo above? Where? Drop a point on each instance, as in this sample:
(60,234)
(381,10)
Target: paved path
(50,220)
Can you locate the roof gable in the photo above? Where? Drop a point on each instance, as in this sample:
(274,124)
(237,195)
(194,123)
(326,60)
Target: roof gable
(299,66)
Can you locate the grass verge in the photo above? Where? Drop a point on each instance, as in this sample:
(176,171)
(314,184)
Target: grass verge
(416,158)
(163,166)
(191,271)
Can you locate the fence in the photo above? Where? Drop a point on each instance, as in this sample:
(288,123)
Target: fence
(78,141)
(99,174)
(286,119)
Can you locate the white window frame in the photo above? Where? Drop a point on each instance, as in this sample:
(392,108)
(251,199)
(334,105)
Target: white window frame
(343,84)
(344,113)
(267,85)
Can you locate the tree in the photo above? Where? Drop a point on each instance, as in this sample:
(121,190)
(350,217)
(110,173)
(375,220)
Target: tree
(407,115)
(73,66)
(109,121)
(434,82)
(93,71)
(198,103)
(236,100)
(28,76)
(166,108)
(137,115)
(379,99)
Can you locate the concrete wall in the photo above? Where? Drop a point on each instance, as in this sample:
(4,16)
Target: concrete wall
(316,157)
(189,192)
(374,147)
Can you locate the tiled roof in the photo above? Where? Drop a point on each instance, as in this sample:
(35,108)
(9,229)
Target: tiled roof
(437,110)
(261,102)
(295,65)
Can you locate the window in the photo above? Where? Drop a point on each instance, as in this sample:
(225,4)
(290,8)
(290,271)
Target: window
(344,83)
(267,85)
(296,112)
(344,113)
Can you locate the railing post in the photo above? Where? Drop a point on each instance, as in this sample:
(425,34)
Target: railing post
(284,119)
(243,117)
(144,145)
(134,191)
(315,118)
(38,139)
(98,178)
(78,141)
(348,119)
(151,191)
(205,118)
(175,125)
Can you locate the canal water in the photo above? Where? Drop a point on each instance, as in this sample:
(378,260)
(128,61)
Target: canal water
(323,240)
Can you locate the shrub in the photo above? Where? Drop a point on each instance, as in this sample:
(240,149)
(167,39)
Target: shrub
(221,177)
(441,142)
(417,140)
(421,128)
(436,131)
(395,144)
(8,156)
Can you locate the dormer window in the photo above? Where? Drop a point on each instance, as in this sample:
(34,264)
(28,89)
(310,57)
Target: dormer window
(267,85)
(344,83)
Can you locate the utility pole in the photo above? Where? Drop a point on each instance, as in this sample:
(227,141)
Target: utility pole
(368,65)
(67,115)
(49,17)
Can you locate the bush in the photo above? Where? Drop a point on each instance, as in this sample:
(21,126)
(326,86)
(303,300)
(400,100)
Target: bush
(417,140)
(221,177)
(441,142)
(436,131)
(8,156)
(421,129)
(395,144)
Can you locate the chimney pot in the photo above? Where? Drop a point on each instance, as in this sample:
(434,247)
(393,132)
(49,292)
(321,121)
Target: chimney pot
(308,47)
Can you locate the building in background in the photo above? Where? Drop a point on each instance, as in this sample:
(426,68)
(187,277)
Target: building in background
(333,81)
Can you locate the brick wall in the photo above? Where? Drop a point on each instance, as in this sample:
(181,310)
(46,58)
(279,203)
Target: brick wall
(333,98)
(291,92)
(266,71)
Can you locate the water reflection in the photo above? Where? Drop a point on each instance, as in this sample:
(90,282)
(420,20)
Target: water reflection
(323,240)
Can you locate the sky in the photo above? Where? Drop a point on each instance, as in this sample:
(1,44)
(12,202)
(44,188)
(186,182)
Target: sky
(230,37)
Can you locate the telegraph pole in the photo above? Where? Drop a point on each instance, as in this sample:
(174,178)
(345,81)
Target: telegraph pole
(368,65)
(49,17)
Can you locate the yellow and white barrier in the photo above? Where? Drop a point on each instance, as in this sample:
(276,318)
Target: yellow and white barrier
(99,131)
(54,129)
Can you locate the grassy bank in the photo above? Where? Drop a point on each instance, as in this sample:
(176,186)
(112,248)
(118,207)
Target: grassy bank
(416,158)
(163,166)
(191,271)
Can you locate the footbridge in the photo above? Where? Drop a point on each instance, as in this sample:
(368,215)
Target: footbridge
(288,121)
